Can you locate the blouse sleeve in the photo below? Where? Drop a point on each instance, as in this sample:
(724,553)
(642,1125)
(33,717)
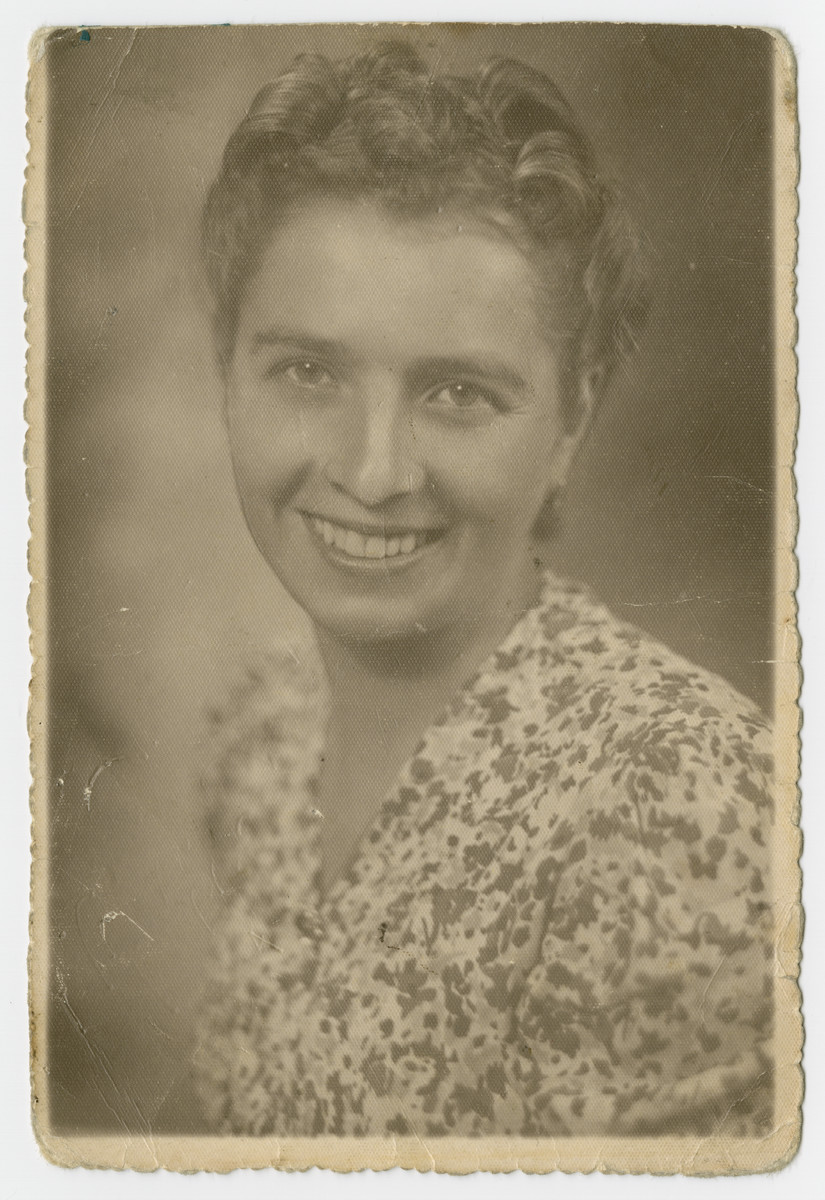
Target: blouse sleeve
(649,1009)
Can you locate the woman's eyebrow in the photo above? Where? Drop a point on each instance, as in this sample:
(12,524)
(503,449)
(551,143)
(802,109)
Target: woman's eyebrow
(492,369)
(311,343)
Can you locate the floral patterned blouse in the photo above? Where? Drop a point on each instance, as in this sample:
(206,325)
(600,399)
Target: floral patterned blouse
(559,924)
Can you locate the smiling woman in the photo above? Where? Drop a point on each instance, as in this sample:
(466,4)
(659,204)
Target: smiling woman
(493,862)
(388,383)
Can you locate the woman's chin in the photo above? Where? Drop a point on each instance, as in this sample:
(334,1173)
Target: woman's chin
(408,620)
(378,620)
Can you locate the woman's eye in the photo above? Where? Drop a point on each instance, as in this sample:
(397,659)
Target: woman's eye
(305,373)
(462,396)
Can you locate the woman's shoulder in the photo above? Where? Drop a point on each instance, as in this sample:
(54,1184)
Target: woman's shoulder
(651,841)
(263,739)
(582,668)
(595,708)
(271,696)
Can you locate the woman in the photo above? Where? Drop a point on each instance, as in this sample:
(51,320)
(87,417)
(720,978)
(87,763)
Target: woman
(493,862)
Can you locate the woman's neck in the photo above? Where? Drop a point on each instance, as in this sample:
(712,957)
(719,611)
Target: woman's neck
(382,698)
(413,678)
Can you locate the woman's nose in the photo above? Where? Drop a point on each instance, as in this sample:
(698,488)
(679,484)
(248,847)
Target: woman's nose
(375,458)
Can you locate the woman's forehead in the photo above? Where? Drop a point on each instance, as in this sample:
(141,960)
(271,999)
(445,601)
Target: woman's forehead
(343,235)
(354,267)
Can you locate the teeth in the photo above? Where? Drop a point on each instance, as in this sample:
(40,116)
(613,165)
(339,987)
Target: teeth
(356,545)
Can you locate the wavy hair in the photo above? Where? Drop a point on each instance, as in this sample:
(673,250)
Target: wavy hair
(504,143)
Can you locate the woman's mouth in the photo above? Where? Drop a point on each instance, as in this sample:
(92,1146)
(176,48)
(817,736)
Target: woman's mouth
(354,544)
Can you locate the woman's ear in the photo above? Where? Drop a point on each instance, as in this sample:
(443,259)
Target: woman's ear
(583,399)
(586,393)
(225,367)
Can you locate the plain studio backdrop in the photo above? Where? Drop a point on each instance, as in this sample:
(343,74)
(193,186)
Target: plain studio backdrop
(158,601)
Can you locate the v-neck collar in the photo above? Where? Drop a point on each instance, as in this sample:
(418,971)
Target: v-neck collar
(405,789)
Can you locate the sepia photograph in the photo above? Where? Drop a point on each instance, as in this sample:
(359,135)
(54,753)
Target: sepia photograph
(414,712)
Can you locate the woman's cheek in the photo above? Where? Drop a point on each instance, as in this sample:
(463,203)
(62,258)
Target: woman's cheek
(499,476)
(271,439)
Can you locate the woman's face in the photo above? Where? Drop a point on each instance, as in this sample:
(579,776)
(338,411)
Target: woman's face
(394,412)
